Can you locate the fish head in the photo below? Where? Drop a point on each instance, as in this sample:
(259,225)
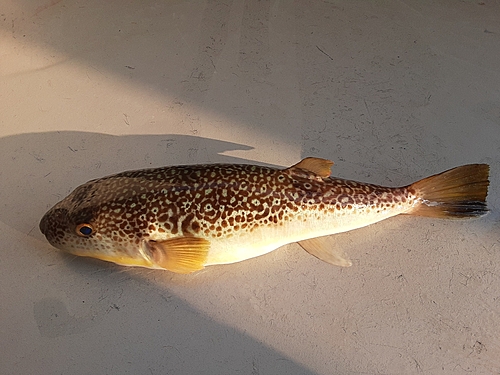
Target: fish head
(94,221)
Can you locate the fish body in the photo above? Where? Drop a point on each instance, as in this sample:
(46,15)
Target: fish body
(183,218)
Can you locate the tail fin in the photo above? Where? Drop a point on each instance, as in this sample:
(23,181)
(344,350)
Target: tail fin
(457,193)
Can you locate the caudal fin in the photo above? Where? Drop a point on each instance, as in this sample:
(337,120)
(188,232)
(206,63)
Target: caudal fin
(457,193)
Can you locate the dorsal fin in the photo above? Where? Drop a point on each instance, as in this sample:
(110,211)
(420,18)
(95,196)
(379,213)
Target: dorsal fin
(319,166)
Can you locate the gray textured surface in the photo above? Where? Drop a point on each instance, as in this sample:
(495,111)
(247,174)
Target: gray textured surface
(390,91)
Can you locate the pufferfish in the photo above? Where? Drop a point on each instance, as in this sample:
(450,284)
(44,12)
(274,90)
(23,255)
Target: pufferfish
(184,218)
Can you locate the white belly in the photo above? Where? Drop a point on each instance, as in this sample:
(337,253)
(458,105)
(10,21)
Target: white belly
(305,225)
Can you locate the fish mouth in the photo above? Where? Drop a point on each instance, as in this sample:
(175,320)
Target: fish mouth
(43,224)
(53,218)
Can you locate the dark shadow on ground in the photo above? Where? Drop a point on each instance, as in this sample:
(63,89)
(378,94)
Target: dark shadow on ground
(113,319)
(131,325)
(39,169)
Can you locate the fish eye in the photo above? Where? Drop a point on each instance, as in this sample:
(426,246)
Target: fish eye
(84,230)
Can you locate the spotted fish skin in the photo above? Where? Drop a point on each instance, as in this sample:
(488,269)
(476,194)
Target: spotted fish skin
(230,212)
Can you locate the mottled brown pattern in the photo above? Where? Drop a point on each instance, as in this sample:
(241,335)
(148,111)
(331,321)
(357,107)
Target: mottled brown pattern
(203,200)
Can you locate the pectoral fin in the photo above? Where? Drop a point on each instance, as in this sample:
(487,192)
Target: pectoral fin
(319,166)
(180,254)
(323,248)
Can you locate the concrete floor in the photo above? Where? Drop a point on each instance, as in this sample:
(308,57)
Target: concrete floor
(390,91)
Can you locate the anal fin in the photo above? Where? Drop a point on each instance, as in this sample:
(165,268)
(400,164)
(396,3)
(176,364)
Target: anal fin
(323,248)
(180,254)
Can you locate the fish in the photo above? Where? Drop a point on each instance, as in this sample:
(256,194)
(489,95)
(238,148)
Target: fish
(184,218)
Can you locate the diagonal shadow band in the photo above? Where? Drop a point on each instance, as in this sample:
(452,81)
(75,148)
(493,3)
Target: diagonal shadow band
(159,331)
(39,169)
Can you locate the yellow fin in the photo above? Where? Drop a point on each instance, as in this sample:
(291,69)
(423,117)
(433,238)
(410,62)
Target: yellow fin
(324,249)
(321,167)
(180,254)
(456,193)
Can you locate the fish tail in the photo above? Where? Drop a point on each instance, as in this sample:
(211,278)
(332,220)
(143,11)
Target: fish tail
(457,193)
